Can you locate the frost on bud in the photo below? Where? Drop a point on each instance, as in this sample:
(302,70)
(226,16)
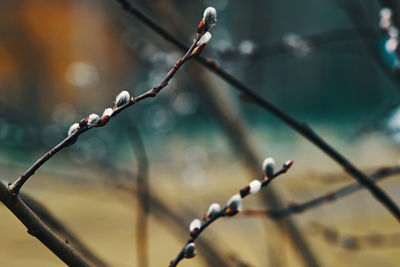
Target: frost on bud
(122,98)
(74,127)
(195,225)
(255,186)
(93,120)
(204,39)
(108,112)
(268,167)
(210,18)
(234,205)
(189,251)
(214,208)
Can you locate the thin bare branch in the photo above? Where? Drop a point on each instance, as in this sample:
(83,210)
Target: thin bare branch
(232,208)
(143,191)
(38,229)
(121,104)
(319,201)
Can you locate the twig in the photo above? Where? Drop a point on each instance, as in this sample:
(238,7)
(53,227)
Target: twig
(352,241)
(49,219)
(143,191)
(319,201)
(301,128)
(122,102)
(39,230)
(313,41)
(231,209)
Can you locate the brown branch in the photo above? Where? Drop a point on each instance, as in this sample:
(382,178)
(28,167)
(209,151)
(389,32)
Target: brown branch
(232,208)
(301,128)
(319,201)
(38,229)
(85,124)
(56,225)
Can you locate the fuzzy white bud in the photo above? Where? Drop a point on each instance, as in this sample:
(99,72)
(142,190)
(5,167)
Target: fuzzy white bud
(210,17)
(255,186)
(195,224)
(189,251)
(268,167)
(108,112)
(385,13)
(393,32)
(74,127)
(391,44)
(93,120)
(214,207)
(235,202)
(122,98)
(204,39)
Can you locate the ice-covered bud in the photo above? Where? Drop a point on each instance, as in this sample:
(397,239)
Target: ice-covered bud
(204,39)
(268,167)
(255,186)
(74,127)
(108,112)
(214,208)
(234,205)
(189,251)
(210,18)
(122,98)
(195,225)
(93,120)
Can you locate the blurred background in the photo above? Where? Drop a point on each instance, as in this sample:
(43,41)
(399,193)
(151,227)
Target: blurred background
(328,63)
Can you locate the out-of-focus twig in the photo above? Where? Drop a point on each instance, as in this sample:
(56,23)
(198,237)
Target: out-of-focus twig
(56,225)
(143,191)
(302,128)
(353,241)
(38,229)
(304,43)
(319,201)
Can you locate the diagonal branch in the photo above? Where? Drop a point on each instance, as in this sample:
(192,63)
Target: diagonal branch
(122,102)
(321,200)
(39,230)
(232,208)
(302,128)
